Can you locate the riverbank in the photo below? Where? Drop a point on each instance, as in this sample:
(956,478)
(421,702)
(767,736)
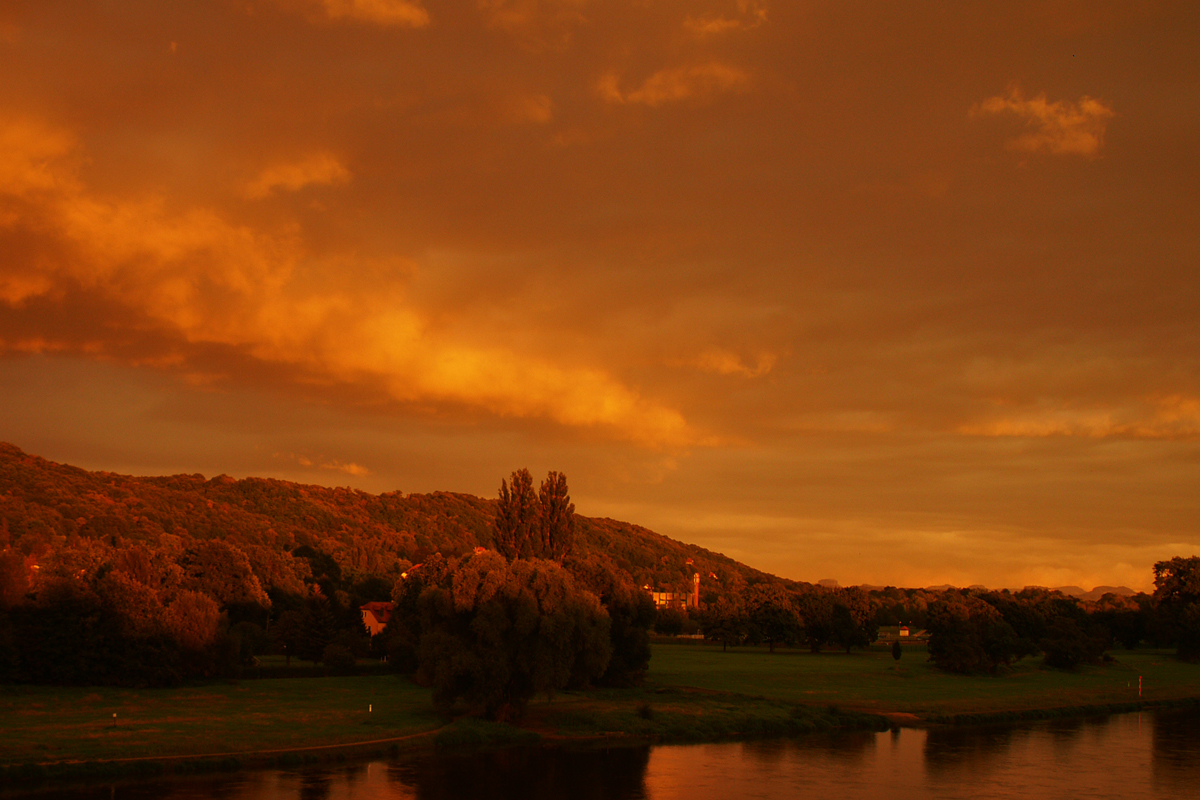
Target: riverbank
(692,693)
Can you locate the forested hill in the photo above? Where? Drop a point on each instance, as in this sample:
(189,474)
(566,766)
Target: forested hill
(66,520)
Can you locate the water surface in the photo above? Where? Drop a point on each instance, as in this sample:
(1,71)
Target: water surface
(1149,755)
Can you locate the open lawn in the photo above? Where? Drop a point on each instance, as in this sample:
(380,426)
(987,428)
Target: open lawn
(873,681)
(692,692)
(51,723)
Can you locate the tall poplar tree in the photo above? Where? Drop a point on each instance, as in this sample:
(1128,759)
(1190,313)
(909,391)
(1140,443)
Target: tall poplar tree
(557,519)
(518,515)
(532,525)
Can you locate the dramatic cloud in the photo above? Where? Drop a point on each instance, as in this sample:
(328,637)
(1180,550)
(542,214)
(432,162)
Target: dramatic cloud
(209,281)
(1060,127)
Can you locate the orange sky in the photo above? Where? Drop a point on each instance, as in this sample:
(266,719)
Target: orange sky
(883,292)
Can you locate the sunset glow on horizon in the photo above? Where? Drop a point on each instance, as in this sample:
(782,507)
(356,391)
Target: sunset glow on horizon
(883,293)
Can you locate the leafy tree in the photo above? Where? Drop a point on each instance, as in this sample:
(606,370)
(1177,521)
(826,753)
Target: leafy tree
(14,578)
(816,609)
(669,621)
(317,629)
(1126,618)
(852,619)
(222,571)
(495,633)
(846,630)
(193,620)
(1067,645)
(725,621)
(631,614)
(772,615)
(1177,590)
(967,635)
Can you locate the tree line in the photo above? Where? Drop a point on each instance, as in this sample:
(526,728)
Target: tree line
(970,630)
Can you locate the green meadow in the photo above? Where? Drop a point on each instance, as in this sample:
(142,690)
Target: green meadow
(692,693)
(872,681)
(50,723)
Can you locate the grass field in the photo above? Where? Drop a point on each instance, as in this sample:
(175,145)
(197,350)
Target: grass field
(692,692)
(49,723)
(873,681)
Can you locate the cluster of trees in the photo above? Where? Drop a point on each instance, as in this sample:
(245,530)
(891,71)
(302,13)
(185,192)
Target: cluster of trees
(971,630)
(140,617)
(985,631)
(532,525)
(773,614)
(496,627)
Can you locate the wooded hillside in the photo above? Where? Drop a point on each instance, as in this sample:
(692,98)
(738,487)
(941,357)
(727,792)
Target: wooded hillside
(64,520)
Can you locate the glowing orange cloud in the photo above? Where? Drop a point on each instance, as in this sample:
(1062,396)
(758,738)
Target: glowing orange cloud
(1061,127)
(212,281)
(400,13)
(1174,417)
(315,169)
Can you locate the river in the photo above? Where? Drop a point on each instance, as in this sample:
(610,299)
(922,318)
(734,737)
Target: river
(1146,755)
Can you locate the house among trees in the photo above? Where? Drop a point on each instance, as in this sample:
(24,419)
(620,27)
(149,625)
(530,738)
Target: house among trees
(375,615)
(681,601)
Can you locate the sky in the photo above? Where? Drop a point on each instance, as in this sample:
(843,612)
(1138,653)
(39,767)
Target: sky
(890,293)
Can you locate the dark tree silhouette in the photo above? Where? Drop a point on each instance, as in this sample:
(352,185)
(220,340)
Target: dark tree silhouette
(725,621)
(773,616)
(517,517)
(557,518)
(495,633)
(534,526)
(1177,590)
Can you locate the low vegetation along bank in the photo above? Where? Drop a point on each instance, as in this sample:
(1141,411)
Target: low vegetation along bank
(694,693)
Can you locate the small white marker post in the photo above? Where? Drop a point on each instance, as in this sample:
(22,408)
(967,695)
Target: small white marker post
(114,719)
(369,708)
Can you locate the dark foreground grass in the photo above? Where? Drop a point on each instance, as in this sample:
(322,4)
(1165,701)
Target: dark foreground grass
(51,723)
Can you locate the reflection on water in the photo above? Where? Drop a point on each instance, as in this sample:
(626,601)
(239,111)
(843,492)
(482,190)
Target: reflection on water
(526,773)
(1176,751)
(1127,756)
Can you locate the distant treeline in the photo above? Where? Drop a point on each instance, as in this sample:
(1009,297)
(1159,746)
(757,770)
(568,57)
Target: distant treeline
(969,630)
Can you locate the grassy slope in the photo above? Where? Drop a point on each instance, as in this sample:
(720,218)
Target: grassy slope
(691,693)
